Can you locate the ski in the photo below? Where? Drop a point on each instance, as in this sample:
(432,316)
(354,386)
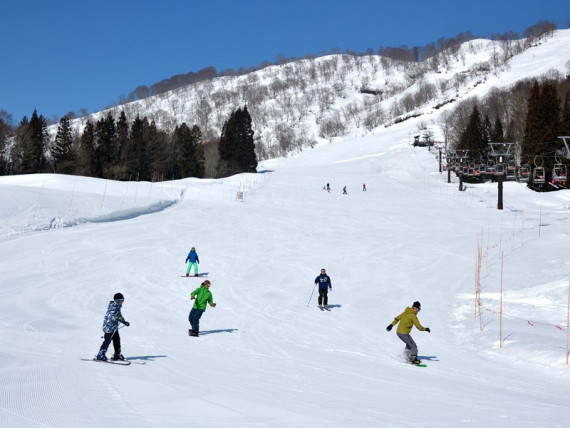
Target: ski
(118,362)
(327,309)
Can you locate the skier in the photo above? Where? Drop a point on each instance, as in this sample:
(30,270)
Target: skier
(202,295)
(325,285)
(344,191)
(364,187)
(194,261)
(328,188)
(111,328)
(407,320)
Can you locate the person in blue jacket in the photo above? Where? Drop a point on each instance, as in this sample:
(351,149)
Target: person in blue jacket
(111,328)
(324,282)
(193,260)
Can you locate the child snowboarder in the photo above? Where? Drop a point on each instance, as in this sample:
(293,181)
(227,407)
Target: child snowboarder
(202,295)
(111,328)
(194,261)
(325,285)
(407,320)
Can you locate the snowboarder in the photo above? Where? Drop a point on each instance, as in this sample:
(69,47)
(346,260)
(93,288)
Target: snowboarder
(325,285)
(344,191)
(111,328)
(364,187)
(202,295)
(192,260)
(407,320)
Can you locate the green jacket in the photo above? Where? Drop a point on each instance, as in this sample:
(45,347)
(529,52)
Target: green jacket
(203,296)
(407,320)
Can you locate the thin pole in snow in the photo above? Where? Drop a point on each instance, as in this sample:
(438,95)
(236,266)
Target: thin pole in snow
(568,322)
(501,307)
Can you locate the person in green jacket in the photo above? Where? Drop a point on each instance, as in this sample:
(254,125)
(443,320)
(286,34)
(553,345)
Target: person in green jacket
(407,320)
(202,296)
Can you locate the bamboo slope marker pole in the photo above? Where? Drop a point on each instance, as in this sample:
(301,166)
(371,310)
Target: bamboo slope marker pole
(501,308)
(568,322)
(39,197)
(72,193)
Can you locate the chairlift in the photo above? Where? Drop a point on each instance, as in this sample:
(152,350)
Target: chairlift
(500,169)
(559,172)
(538,175)
(524,173)
(511,170)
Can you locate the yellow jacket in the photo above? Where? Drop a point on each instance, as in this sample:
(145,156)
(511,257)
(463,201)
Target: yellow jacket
(407,320)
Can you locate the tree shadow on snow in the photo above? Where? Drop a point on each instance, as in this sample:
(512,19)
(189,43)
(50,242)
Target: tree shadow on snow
(226,330)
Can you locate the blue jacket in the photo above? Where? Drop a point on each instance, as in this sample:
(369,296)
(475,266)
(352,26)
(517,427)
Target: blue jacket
(324,281)
(112,317)
(193,257)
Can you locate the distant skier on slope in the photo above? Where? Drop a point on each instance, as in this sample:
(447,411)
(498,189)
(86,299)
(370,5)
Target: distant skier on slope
(325,285)
(202,295)
(111,328)
(344,192)
(193,260)
(407,320)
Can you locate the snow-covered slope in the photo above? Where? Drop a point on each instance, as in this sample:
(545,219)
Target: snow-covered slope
(267,357)
(292,104)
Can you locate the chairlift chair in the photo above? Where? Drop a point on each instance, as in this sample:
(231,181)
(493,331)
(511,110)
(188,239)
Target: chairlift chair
(524,173)
(538,176)
(559,173)
(511,170)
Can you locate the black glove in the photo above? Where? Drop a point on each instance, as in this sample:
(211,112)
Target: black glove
(330,287)
(428,330)
(389,328)
(127,323)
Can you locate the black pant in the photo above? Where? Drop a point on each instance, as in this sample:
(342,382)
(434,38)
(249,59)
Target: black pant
(116,342)
(323,298)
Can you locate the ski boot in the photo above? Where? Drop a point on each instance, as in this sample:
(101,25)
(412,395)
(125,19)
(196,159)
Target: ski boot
(414,360)
(118,357)
(101,356)
(193,333)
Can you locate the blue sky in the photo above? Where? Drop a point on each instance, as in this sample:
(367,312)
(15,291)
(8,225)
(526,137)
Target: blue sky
(61,56)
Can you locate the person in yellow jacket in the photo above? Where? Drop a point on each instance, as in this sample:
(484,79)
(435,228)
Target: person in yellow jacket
(407,320)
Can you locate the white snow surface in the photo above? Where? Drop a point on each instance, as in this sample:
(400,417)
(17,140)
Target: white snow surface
(265,357)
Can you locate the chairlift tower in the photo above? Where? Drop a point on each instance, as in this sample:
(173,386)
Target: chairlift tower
(502,153)
(462,156)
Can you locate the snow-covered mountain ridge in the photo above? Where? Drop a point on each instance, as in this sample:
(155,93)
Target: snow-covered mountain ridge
(306,102)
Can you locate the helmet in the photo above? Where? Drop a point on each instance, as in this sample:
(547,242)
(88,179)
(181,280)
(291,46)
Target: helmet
(206,282)
(417,305)
(192,249)
(118,297)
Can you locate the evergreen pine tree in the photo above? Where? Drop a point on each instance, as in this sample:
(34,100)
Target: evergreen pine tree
(31,141)
(86,155)
(565,119)
(497,134)
(188,143)
(474,139)
(237,147)
(62,152)
(532,133)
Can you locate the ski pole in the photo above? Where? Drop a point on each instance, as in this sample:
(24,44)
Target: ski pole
(111,337)
(311,295)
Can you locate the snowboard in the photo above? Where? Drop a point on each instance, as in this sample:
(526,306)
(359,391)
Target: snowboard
(419,365)
(200,275)
(118,362)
